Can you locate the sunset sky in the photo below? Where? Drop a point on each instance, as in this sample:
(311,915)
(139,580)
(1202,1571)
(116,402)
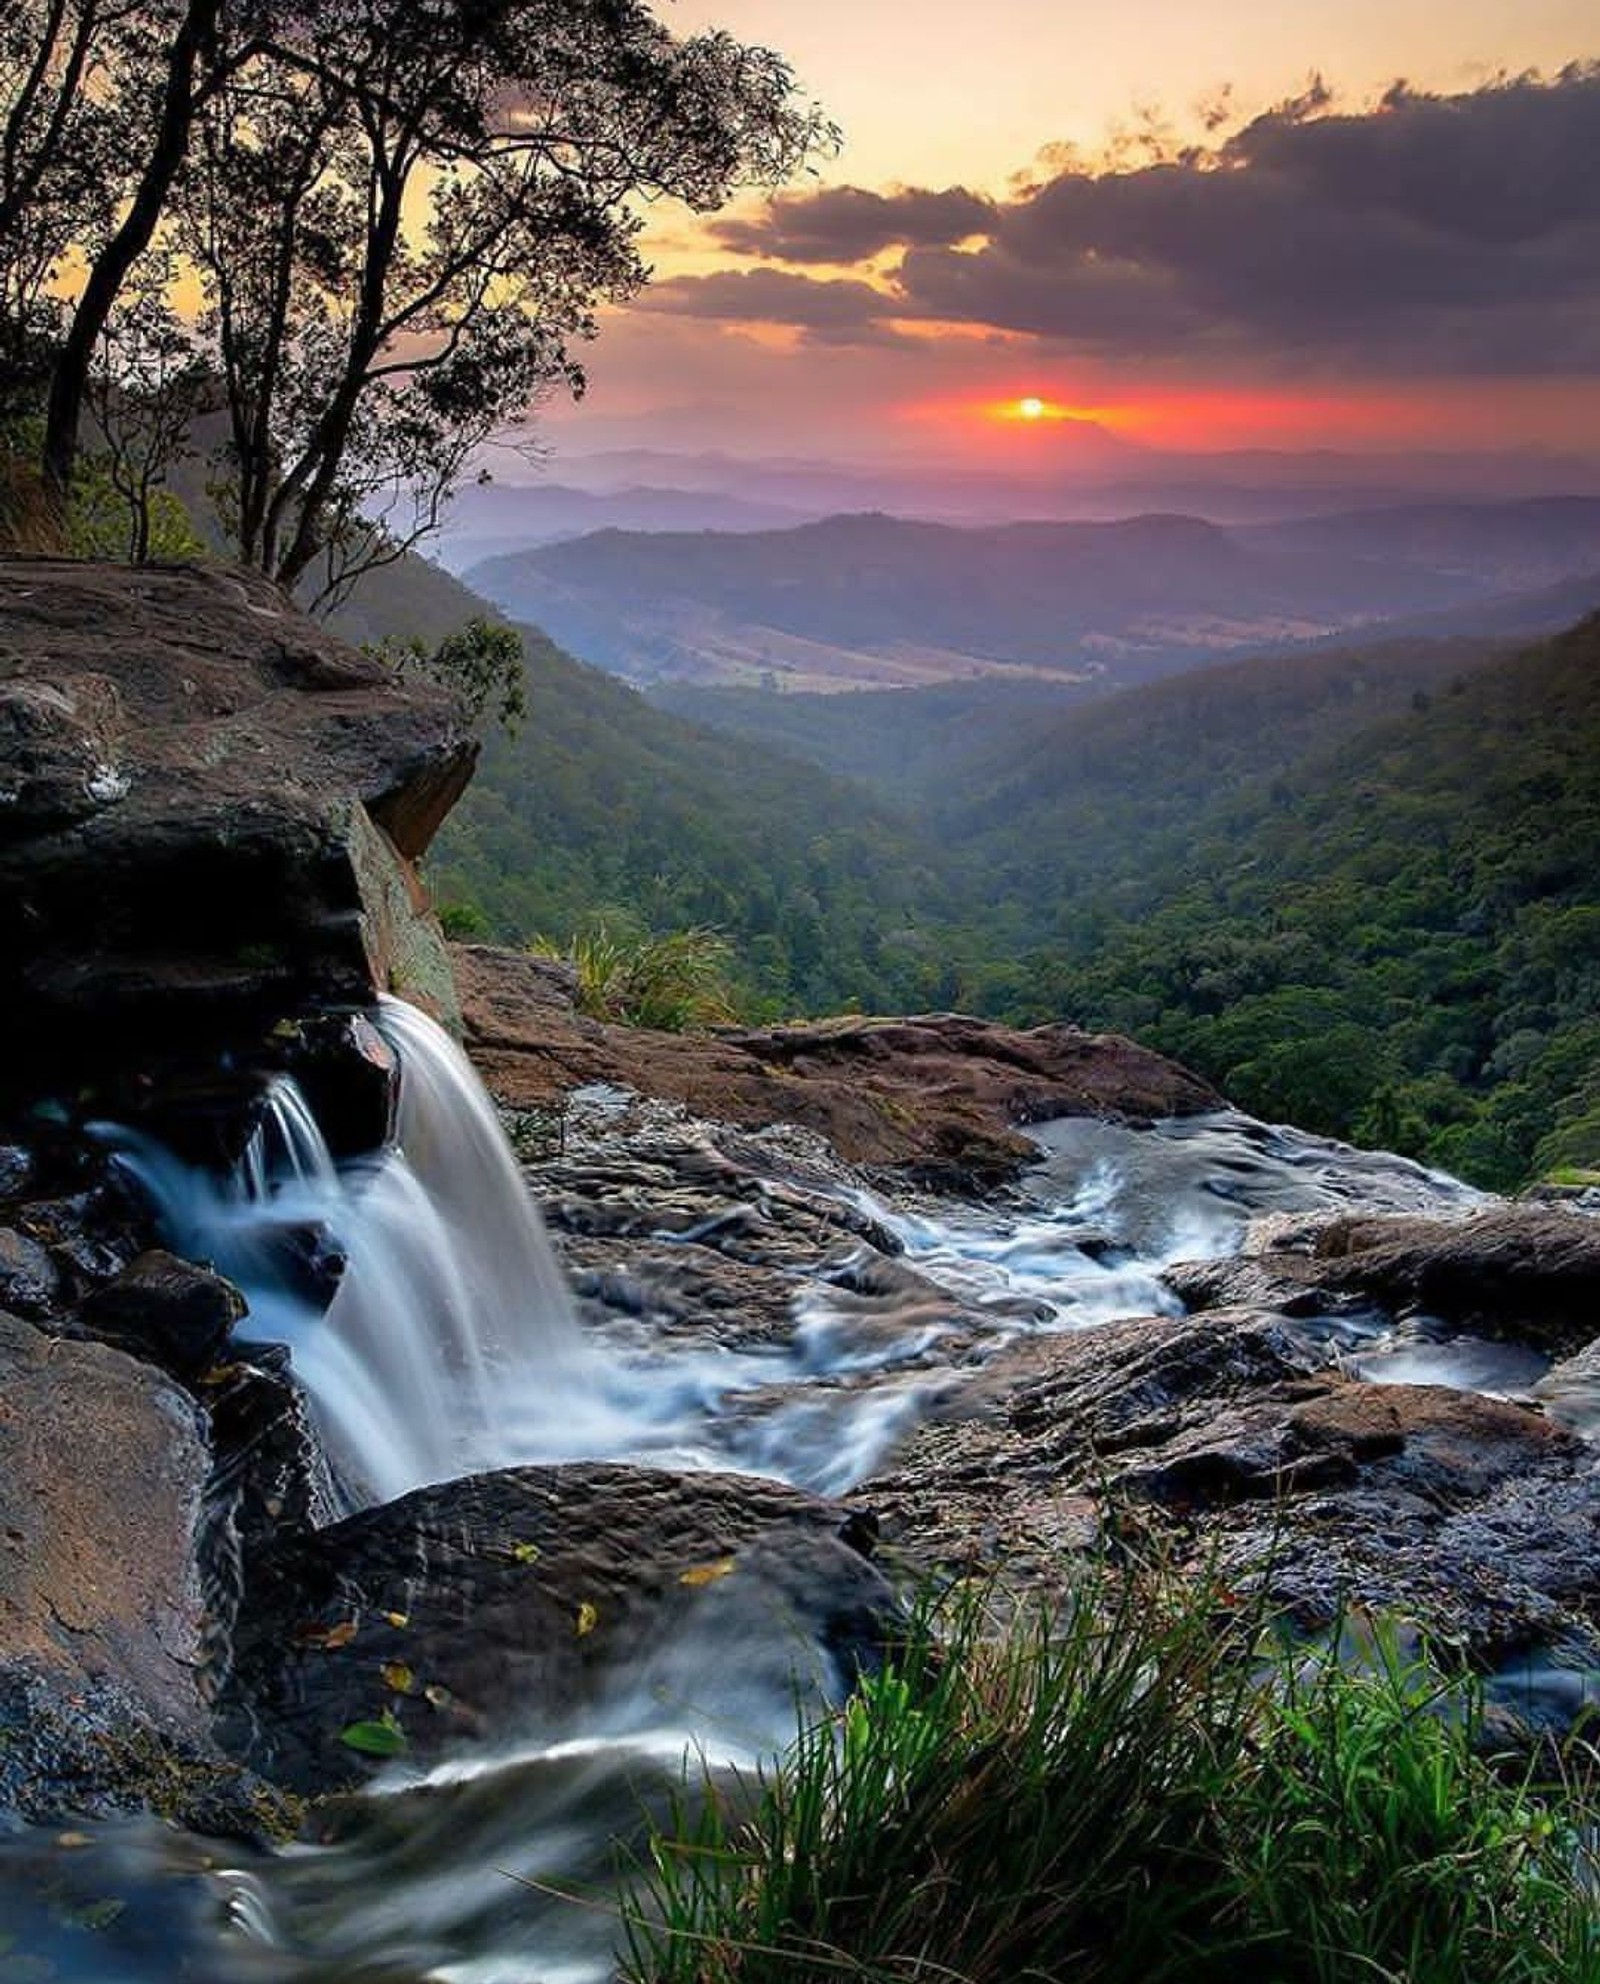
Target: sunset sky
(1149,217)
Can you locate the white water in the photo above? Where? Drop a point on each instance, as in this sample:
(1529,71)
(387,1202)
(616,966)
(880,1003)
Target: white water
(451,1344)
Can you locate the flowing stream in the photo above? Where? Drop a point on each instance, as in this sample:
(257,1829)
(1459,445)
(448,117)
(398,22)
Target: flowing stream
(451,1345)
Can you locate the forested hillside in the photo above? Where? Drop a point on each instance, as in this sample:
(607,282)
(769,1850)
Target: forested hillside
(602,808)
(1397,939)
(1359,889)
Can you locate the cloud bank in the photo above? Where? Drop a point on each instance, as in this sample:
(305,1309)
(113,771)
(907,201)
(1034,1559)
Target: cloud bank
(1424,235)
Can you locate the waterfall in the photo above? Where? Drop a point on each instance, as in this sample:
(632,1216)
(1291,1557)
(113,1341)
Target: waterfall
(450,1343)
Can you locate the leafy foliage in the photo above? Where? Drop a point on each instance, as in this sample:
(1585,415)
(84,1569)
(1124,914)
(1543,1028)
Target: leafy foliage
(1114,1797)
(480,664)
(675,983)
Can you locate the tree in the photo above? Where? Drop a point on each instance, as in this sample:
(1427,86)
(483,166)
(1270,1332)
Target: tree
(404,214)
(405,225)
(161,59)
(149,385)
(53,160)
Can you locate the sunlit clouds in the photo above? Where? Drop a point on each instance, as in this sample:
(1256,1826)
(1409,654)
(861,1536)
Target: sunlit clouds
(1410,266)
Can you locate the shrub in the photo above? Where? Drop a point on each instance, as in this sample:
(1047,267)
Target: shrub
(1126,1798)
(676,983)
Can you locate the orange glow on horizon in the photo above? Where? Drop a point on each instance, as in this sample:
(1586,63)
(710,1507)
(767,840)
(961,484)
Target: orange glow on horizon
(1187,419)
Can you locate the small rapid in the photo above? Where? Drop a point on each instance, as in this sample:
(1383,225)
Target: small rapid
(433,1330)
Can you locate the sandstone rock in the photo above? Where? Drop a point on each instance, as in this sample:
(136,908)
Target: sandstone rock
(495,1605)
(1522,1271)
(939,1096)
(102,1467)
(166,1311)
(206,806)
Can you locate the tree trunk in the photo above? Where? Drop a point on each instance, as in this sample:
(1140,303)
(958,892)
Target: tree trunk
(70,374)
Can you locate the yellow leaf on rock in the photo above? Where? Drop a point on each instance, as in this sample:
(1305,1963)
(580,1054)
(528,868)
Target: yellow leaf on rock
(328,1639)
(588,1619)
(398,1676)
(398,1618)
(526,1553)
(707,1573)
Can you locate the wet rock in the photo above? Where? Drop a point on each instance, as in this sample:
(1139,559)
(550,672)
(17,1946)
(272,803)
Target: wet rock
(195,838)
(91,1235)
(939,1095)
(1570,1391)
(91,1750)
(1216,1441)
(1520,1271)
(16,1170)
(167,1311)
(495,1605)
(350,1077)
(103,1463)
(28,1279)
(269,1480)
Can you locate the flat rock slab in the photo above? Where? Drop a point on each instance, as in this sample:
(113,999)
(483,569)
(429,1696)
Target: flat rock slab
(493,1607)
(1216,1440)
(940,1095)
(1526,1272)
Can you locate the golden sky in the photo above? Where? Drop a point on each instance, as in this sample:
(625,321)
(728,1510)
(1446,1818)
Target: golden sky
(1422,273)
(935,91)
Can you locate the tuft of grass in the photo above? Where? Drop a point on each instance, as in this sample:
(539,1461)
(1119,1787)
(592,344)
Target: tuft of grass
(675,983)
(1125,1796)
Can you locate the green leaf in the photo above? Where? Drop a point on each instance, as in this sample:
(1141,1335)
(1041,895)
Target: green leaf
(384,1738)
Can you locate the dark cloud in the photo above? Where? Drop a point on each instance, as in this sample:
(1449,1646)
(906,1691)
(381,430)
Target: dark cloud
(846,224)
(1426,234)
(837,312)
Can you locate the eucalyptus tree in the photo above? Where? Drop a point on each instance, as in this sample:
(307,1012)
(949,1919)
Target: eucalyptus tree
(58,168)
(405,224)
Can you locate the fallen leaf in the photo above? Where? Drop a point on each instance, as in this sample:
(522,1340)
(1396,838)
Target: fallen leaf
(72,1839)
(703,1574)
(588,1619)
(399,1619)
(437,1697)
(398,1676)
(383,1738)
(328,1639)
(526,1553)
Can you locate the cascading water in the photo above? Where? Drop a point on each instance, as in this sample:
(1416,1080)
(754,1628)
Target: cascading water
(450,1343)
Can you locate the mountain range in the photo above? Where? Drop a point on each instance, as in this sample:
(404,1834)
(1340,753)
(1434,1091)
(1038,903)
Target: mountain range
(884,602)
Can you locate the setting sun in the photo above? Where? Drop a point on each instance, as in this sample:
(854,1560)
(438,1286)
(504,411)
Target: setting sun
(1030,409)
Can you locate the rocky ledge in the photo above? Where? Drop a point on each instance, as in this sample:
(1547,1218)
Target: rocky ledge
(208,812)
(939,1097)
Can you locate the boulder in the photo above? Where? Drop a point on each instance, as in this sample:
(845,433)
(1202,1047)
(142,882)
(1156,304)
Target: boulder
(494,1606)
(103,1464)
(166,1311)
(940,1096)
(208,808)
(1527,1272)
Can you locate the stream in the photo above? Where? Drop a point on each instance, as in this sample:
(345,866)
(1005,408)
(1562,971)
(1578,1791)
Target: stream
(453,1345)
